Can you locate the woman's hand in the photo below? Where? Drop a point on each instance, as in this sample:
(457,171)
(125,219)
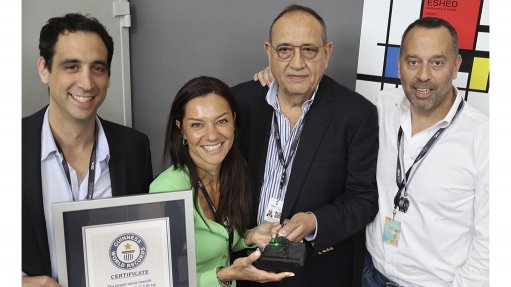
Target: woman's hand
(265,77)
(38,281)
(262,234)
(242,269)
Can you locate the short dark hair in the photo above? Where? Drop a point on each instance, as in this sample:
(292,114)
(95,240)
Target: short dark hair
(431,23)
(300,8)
(235,198)
(72,22)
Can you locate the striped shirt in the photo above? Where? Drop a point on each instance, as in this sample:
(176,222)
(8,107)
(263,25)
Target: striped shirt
(273,168)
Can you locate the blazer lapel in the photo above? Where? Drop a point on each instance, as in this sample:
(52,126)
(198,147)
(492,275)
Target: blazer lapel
(259,136)
(31,179)
(317,122)
(117,160)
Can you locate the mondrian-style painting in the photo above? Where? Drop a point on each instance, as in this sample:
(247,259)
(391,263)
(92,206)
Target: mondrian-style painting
(383,23)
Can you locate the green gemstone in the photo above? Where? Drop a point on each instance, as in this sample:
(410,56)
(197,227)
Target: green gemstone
(278,241)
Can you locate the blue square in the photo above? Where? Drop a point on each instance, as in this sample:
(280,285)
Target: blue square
(391,62)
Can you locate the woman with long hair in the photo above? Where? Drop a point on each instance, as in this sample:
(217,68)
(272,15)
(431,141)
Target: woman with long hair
(202,145)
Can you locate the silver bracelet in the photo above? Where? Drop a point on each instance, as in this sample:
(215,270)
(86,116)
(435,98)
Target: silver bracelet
(222,283)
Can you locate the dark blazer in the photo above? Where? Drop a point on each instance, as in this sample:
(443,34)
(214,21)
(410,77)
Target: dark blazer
(333,173)
(130,173)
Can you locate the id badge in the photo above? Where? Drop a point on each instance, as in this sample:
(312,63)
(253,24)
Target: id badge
(273,210)
(391,231)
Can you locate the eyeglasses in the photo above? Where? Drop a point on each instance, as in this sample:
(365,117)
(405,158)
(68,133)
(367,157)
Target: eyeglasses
(285,52)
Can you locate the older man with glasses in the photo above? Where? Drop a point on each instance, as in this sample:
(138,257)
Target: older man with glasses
(311,146)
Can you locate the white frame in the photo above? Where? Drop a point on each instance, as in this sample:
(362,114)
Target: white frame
(60,208)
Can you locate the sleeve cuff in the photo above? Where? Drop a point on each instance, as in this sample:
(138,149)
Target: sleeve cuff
(312,237)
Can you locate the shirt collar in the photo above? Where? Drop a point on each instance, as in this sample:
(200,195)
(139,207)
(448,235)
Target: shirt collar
(404,107)
(272,99)
(49,147)
(452,112)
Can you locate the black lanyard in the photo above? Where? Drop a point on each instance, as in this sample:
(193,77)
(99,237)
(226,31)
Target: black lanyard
(403,182)
(294,147)
(92,168)
(229,227)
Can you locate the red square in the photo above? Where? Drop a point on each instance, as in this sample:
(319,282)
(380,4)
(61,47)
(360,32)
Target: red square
(462,14)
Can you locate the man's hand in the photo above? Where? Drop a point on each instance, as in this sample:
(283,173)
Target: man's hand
(265,77)
(300,225)
(38,281)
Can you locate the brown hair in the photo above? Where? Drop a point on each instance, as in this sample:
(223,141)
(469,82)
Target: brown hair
(235,198)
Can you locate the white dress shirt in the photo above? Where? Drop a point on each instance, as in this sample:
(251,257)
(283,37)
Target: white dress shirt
(444,237)
(56,187)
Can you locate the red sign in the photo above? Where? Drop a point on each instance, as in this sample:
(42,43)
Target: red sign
(462,14)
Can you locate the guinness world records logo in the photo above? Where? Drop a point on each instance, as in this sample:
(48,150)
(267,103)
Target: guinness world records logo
(127,251)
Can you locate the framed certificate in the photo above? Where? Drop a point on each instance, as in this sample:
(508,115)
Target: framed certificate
(132,241)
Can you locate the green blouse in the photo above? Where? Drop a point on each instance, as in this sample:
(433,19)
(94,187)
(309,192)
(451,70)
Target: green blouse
(211,241)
